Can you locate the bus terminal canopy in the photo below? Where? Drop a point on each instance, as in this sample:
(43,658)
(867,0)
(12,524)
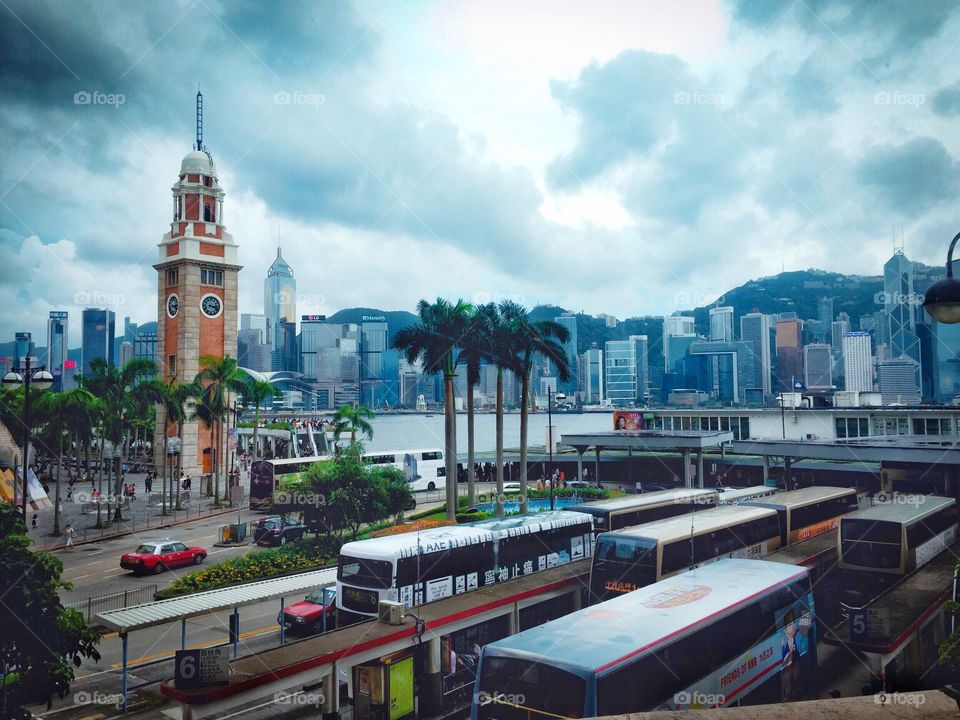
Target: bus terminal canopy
(926,449)
(677,440)
(147,615)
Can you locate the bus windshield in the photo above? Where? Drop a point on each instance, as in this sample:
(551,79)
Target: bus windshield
(513,689)
(869,543)
(365,573)
(622,564)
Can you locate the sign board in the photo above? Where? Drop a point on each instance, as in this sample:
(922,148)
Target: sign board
(869,623)
(70,364)
(232,439)
(401,689)
(313,318)
(198,668)
(58,314)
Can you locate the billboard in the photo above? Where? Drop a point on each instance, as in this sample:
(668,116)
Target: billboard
(628,421)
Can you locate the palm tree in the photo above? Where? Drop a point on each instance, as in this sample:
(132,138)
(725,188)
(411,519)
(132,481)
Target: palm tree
(57,410)
(503,355)
(172,397)
(474,349)
(120,391)
(219,377)
(78,408)
(432,341)
(354,420)
(532,337)
(256,393)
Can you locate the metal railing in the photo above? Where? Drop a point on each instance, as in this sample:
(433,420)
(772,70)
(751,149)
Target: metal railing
(94,604)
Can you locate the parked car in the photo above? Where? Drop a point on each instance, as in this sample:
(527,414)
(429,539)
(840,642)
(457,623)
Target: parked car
(575,484)
(306,616)
(155,557)
(278,530)
(511,487)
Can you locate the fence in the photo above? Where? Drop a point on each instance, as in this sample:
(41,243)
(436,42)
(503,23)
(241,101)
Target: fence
(90,606)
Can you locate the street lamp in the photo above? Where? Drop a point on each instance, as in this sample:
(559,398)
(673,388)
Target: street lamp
(39,378)
(560,396)
(942,300)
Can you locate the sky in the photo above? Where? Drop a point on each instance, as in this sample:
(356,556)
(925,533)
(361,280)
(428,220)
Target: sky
(630,158)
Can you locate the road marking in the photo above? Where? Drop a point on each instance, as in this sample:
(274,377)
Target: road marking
(209,643)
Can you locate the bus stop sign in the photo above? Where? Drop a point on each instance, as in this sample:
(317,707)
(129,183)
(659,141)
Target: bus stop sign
(869,623)
(197,668)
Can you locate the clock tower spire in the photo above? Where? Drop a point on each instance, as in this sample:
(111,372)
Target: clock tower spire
(196,294)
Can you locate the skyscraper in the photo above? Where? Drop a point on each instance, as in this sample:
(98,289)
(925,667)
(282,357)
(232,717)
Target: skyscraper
(279,305)
(570,348)
(57,346)
(717,369)
(591,368)
(817,366)
(98,330)
(899,304)
(789,354)
(721,324)
(839,328)
(126,353)
(625,368)
(825,311)
(755,329)
(857,362)
(24,347)
(373,343)
(896,380)
(673,326)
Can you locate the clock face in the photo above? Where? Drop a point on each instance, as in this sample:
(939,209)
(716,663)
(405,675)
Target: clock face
(211,306)
(173,305)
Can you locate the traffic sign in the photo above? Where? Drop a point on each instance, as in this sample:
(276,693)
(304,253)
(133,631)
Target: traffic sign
(869,623)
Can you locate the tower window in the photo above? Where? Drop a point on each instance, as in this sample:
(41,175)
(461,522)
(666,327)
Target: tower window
(173,277)
(171,365)
(208,181)
(209,276)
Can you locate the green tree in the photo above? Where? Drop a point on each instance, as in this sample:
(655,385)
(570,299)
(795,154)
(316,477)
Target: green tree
(503,355)
(120,391)
(353,419)
(256,393)
(42,642)
(433,341)
(528,338)
(350,493)
(220,378)
(172,398)
(474,349)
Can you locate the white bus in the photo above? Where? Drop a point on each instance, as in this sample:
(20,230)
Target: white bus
(733,632)
(424,469)
(731,496)
(629,510)
(632,558)
(421,567)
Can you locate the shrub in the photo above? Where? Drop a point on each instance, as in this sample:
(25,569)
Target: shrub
(410,527)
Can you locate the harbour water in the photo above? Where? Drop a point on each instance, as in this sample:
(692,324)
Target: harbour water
(399,432)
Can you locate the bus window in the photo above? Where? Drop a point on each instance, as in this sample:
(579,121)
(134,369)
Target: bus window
(510,688)
(432,455)
(372,573)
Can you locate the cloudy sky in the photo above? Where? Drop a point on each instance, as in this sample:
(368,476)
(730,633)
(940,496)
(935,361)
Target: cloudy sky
(621,157)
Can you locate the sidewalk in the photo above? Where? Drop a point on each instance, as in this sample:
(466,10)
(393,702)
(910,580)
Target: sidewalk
(138,515)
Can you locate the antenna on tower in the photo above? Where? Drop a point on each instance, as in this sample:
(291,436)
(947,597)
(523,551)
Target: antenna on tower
(199,119)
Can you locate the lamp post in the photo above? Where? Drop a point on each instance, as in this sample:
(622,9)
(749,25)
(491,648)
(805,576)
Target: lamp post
(39,378)
(942,300)
(560,396)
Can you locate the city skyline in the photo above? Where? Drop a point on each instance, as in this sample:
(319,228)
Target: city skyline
(483,200)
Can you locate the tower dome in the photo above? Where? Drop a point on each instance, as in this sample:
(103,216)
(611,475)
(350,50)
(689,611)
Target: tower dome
(198,162)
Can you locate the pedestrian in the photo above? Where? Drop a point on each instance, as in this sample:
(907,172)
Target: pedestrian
(59,507)
(34,522)
(147,483)
(68,534)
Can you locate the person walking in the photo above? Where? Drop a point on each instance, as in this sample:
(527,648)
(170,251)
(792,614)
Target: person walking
(34,522)
(68,534)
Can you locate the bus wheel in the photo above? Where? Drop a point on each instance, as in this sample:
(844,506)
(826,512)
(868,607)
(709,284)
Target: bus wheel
(431,486)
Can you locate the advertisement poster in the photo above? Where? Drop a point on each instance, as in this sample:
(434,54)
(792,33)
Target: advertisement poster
(401,689)
(628,421)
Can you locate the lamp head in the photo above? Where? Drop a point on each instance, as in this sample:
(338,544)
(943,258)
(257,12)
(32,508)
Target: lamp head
(942,301)
(42,380)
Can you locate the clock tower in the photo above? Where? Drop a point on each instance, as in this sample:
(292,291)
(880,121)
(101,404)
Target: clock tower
(197,293)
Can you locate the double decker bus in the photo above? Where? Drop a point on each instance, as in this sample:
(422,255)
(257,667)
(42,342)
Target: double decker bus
(424,470)
(629,510)
(628,559)
(898,536)
(810,511)
(421,567)
(733,632)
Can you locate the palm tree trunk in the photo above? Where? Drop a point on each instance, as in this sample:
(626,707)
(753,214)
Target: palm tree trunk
(500,511)
(471,476)
(118,456)
(524,391)
(256,427)
(175,482)
(163,491)
(100,483)
(450,432)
